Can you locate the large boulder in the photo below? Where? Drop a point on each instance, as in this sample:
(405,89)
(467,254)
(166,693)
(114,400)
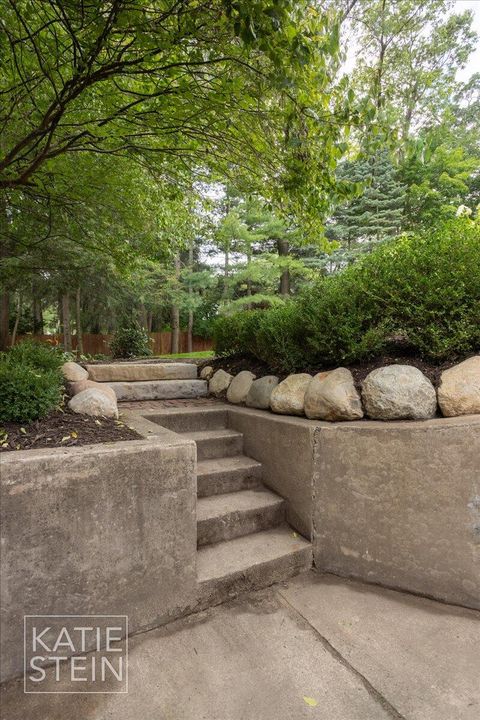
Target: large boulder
(206,372)
(238,389)
(73,372)
(260,392)
(289,396)
(81,385)
(219,383)
(94,402)
(333,396)
(459,391)
(398,392)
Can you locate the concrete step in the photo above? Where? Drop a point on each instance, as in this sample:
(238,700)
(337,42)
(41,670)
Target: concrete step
(226,475)
(224,517)
(182,420)
(140,372)
(250,562)
(217,443)
(159,389)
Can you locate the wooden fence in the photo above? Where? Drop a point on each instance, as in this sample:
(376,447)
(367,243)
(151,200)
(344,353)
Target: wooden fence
(98,344)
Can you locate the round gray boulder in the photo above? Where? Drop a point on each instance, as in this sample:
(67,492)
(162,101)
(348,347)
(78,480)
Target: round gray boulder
(238,389)
(398,392)
(261,391)
(332,396)
(288,397)
(206,372)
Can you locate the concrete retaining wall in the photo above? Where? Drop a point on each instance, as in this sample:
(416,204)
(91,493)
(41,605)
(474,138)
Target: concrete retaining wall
(395,503)
(102,529)
(399,504)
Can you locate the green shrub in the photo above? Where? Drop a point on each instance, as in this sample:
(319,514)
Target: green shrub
(425,287)
(36,355)
(130,340)
(27,393)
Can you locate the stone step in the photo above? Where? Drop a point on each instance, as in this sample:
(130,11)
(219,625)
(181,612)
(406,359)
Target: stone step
(139,372)
(182,420)
(250,562)
(224,517)
(225,475)
(217,443)
(159,389)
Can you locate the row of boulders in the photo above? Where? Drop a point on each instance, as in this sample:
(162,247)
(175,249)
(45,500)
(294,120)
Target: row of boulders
(394,392)
(89,397)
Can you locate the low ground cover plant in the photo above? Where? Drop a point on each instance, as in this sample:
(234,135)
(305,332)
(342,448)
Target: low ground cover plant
(423,287)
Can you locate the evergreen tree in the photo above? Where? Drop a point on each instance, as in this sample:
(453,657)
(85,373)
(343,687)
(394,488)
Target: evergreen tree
(377,212)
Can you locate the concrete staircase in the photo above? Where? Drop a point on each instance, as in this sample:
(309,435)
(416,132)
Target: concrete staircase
(150,381)
(243,539)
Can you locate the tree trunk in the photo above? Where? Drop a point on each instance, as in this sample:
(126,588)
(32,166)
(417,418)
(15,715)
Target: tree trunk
(17,320)
(176,314)
(78,321)
(149,321)
(226,271)
(4,319)
(282,247)
(190,309)
(67,336)
(143,317)
(37,313)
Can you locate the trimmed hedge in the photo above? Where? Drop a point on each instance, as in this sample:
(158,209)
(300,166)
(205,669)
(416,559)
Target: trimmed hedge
(31,382)
(424,287)
(129,341)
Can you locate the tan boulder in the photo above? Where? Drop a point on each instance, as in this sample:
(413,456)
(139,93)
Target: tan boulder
(219,383)
(77,387)
(94,402)
(206,372)
(73,372)
(459,390)
(288,397)
(332,396)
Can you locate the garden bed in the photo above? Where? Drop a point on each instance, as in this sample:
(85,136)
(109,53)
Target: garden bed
(238,362)
(63,429)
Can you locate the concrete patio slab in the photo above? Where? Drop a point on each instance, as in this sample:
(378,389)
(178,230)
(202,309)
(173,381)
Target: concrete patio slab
(317,647)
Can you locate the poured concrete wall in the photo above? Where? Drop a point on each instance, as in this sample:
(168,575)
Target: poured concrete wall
(395,503)
(285,447)
(102,529)
(399,504)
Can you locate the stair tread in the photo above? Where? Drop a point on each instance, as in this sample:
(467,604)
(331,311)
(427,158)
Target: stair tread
(221,433)
(221,465)
(242,553)
(217,506)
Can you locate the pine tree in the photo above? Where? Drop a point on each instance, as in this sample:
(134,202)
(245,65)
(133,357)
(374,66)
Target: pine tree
(376,214)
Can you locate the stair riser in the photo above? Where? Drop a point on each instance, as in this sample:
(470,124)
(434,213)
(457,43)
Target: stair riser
(192,422)
(218,590)
(229,481)
(239,523)
(209,448)
(159,389)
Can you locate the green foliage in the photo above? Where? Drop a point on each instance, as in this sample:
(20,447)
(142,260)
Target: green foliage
(425,287)
(27,394)
(130,340)
(377,212)
(30,382)
(36,355)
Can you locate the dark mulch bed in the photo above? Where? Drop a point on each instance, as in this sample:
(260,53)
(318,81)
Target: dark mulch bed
(235,363)
(63,429)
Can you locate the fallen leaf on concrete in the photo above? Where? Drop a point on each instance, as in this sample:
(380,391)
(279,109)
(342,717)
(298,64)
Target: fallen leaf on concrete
(310,701)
